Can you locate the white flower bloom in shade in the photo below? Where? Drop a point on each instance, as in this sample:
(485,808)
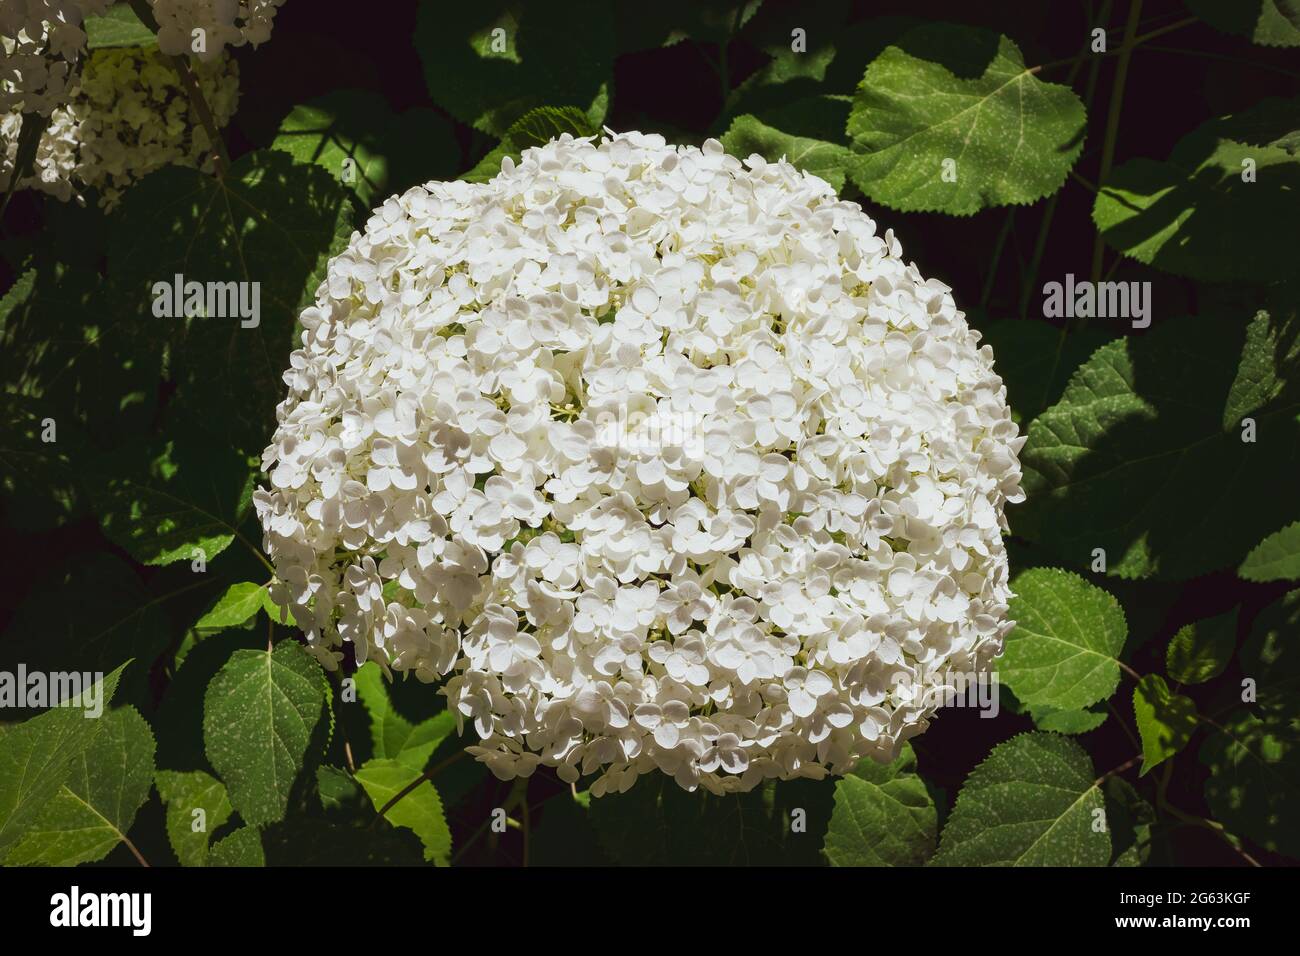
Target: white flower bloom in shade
(662,460)
(223,22)
(128,116)
(40,41)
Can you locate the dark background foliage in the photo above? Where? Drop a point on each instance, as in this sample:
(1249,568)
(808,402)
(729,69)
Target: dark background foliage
(1175,84)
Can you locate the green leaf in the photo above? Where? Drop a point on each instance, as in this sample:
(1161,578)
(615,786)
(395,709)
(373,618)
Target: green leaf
(1267,22)
(39,755)
(564,836)
(1141,458)
(1035,361)
(1276,558)
(1060,721)
(243,847)
(394,736)
(1064,651)
(175,502)
(113,618)
(237,605)
(1034,801)
(536,65)
(1200,651)
(258,716)
(188,830)
(96,805)
(389,152)
(311,841)
(947,92)
(749,135)
(535,128)
(884,816)
(339,790)
(1129,819)
(1165,720)
(1253,786)
(419,811)
(119,27)
(340,133)
(1194,215)
(269,220)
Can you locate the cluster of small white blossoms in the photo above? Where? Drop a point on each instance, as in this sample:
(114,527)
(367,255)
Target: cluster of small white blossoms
(128,116)
(40,41)
(223,22)
(471,478)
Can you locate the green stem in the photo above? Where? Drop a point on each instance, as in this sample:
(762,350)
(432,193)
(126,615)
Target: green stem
(997,257)
(1112,122)
(220,159)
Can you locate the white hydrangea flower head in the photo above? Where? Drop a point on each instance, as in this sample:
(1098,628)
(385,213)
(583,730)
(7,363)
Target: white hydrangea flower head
(40,41)
(224,23)
(128,116)
(663,460)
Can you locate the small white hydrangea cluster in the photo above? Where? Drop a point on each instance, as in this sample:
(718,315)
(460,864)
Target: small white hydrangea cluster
(224,23)
(128,116)
(666,460)
(40,41)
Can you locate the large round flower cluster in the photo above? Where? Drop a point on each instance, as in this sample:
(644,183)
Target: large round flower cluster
(40,41)
(128,116)
(223,22)
(669,461)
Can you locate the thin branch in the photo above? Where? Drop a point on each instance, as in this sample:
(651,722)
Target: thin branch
(997,257)
(1090,186)
(1112,121)
(135,851)
(220,159)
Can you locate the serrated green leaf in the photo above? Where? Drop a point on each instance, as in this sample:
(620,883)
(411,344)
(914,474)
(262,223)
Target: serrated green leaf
(339,790)
(174,502)
(749,135)
(1138,460)
(1035,361)
(113,618)
(310,841)
(958,93)
(39,755)
(270,221)
(419,811)
(241,848)
(1129,819)
(1059,721)
(1266,22)
(1064,651)
(1195,215)
(237,605)
(1276,558)
(1033,801)
(258,716)
(188,831)
(1165,720)
(119,27)
(883,816)
(338,132)
(535,128)
(1253,786)
(93,810)
(489,80)
(394,736)
(1200,651)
